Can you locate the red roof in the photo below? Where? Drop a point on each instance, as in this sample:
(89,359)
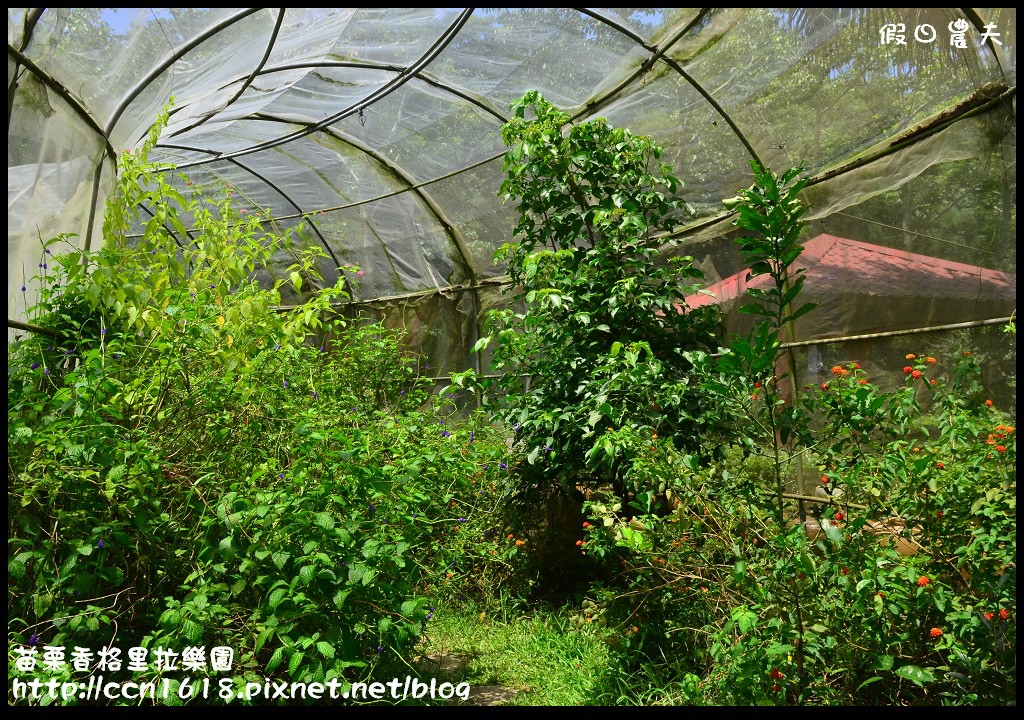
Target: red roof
(840,266)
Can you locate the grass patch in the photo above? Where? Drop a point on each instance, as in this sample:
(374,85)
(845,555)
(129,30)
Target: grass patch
(541,656)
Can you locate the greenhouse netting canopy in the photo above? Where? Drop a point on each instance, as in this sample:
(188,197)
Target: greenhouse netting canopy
(376,131)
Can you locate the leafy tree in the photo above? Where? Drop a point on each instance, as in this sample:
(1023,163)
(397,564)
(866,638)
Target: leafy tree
(594,364)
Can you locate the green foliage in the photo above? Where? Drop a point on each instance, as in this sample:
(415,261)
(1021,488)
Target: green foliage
(191,467)
(899,588)
(601,342)
(771,210)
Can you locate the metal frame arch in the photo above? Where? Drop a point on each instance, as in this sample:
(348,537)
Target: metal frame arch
(175,55)
(245,83)
(271,184)
(406,74)
(659,54)
(409,185)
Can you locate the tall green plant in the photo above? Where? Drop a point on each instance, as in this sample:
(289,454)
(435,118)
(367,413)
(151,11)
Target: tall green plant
(770,210)
(190,467)
(594,363)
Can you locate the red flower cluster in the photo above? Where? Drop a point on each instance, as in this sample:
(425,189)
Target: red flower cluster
(840,516)
(907,370)
(1001,433)
(916,374)
(935,632)
(776,674)
(923,580)
(824,479)
(1004,614)
(839,371)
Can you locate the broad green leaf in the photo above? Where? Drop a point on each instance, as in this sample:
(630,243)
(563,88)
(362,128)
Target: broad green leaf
(325,520)
(192,630)
(917,675)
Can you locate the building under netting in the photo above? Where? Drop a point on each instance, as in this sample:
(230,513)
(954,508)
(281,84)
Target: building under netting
(377,130)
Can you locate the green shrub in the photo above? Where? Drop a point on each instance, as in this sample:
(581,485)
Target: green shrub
(190,467)
(899,589)
(601,343)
